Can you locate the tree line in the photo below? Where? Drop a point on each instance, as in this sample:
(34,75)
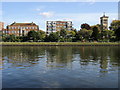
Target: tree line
(87,33)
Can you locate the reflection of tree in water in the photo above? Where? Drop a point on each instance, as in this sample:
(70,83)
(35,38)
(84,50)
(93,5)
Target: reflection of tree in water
(88,54)
(101,55)
(63,55)
(22,55)
(115,55)
(96,54)
(58,56)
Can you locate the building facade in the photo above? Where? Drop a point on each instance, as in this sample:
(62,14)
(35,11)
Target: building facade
(54,26)
(20,29)
(1,26)
(104,22)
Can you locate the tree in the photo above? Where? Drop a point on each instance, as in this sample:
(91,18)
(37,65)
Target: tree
(95,33)
(85,34)
(115,25)
(63,32)
(98,26)
(85,26)
(71,33)
(32,35)
(107,34)
(117,33)
(41,35)
(53,37)
(78,36)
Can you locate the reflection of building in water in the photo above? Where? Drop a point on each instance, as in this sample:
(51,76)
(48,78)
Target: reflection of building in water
(63,56)
(22,55)
(58,57)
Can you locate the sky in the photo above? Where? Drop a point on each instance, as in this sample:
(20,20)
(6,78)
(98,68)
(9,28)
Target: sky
(40,12)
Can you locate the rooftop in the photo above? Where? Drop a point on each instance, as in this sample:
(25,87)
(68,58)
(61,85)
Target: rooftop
(22,24)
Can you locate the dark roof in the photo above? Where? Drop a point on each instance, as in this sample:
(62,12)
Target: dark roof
(22,24)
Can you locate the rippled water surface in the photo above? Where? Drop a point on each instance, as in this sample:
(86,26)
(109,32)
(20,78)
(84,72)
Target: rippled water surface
(60,67)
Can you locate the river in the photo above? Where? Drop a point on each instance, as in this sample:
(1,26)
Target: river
(60,66)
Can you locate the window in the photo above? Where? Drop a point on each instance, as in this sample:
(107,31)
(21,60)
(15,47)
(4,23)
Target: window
(18,27)
(54,30)
(26,27)
(3,31)
(64,26)
(32,27)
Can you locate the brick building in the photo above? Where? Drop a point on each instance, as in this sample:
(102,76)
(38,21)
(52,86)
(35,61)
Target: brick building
(53,26)
(20,29)
(1,26)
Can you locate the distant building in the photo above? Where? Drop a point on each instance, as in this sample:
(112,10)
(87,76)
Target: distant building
(53,26)
(1,26)
(21,29)
(104,22)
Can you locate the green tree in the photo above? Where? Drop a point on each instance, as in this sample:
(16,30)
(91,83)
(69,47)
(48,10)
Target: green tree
(98,26)
(53,37)
(95,33)
(117,34)
(78,36)
(63,32)
(41,35)
(33,35)
(115,25)
(107,34)
(85,26)
(85,34)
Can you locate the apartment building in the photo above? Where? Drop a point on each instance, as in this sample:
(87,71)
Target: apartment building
(20,29)
(53,26)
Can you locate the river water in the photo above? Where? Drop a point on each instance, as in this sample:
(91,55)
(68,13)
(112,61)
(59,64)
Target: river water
(60,66)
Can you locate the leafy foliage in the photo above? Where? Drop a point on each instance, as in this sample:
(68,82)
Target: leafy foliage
(86,33)
(85,26)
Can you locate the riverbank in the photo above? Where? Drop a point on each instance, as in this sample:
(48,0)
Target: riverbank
(60,44)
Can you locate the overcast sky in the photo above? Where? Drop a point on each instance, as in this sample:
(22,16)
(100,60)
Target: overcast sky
(40,12)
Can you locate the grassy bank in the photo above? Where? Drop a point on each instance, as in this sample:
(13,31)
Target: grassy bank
(60,44)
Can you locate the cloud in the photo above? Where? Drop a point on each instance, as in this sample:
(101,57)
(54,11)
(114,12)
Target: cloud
(91,1)
(40,8)
(47,14)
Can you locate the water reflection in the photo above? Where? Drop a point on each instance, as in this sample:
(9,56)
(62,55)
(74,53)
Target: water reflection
(61,56)
(77,66)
